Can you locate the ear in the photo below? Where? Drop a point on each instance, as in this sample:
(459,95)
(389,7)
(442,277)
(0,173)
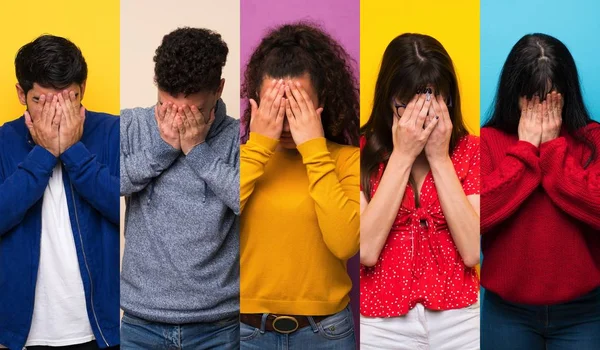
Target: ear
(82,86)
(220,89)
(21,95)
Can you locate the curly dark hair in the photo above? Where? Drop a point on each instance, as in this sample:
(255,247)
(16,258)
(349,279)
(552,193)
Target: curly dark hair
(294,49)
(190,60)
(50,61)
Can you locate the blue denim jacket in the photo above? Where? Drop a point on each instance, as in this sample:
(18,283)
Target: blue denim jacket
(91,178)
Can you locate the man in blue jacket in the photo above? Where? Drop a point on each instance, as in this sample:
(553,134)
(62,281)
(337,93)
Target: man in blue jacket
(59,208)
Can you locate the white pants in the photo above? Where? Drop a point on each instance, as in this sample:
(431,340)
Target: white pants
(423,329)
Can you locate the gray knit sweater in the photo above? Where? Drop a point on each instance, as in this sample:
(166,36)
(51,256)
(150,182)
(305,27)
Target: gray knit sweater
(181,260)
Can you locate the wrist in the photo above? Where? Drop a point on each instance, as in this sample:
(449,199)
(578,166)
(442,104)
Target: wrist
(400,161)
(440,163)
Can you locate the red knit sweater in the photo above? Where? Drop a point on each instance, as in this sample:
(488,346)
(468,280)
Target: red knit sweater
(540,217)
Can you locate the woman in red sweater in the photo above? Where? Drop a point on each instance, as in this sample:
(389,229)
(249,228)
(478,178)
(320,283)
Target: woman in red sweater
(419,225)
(540,204)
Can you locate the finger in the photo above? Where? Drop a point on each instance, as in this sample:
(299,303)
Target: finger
(62,105)
(305,96)
(417,109)
(560,102)
(169,114)
(288,111)
(253,108)
(67,105)
(295,108)
(538,111)
(72,102)
(161,111)
(277,101)
(269,89)
(429,129)
(45,101)
(545,111)
(445,113)
(82,112)
(270,98)
(211,119)
(51,111)
(423,114)
(281,111)
(523,104)
(189,114)
(28,122)
(295,88)
(319,111)
(530,106)
(179,124)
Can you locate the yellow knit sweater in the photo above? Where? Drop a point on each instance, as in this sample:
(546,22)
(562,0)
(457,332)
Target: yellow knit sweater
(300,223)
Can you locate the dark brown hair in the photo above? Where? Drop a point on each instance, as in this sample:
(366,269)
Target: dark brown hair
(410,63)
(292,50)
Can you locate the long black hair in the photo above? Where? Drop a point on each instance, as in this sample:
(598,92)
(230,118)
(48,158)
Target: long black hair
(410,63)
(536,65)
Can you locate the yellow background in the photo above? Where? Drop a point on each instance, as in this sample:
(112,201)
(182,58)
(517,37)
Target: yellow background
(453,23)
(92,25)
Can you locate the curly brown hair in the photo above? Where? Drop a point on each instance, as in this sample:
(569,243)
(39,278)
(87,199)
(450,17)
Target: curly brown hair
(292,50)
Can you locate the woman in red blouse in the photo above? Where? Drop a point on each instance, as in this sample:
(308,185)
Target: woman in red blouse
(419,240)
(540,206)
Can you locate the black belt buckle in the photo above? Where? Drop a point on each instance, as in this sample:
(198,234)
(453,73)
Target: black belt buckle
(285,324)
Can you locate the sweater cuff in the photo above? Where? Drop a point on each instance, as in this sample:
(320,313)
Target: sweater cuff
(525,151)
(74,156)
(201,156)
(40,159)
(311,147)
(161,152)
(262,141)
(552,153)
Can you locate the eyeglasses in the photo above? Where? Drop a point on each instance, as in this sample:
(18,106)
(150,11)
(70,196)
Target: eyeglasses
(397,106)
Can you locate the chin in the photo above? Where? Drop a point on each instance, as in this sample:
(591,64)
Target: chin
(287,145)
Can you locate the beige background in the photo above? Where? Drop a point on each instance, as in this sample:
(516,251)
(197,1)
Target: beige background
(143,25)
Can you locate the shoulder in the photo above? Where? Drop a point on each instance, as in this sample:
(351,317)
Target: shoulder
(131,114)
(12,128)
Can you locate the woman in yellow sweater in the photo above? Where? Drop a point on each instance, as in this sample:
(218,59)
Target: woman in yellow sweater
(299,192)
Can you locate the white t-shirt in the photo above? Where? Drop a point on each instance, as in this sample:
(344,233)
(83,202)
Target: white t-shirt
(59,312)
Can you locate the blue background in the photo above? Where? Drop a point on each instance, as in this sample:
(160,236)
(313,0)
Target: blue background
(576,23)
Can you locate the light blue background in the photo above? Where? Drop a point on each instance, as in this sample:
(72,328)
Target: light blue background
(576,23)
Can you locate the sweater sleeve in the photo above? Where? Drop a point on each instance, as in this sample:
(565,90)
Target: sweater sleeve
(254,156)
(505,187)
(20,190)
(141,167)
(222,177)
(571,187)
(335,191)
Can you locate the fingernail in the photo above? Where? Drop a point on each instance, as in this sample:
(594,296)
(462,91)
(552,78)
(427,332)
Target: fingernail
(428,97)
(297,83)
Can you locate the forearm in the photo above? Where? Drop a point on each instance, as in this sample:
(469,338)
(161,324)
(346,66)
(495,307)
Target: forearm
(335,195)
(378,216)
(139,168)
(221,177)
(462,218)
(93,181)
(23,188)
(254,156)
(508,185)
(571,187)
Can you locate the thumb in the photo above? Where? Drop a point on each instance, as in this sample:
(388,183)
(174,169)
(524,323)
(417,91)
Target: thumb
(319,111)
(28,120)
(253,107)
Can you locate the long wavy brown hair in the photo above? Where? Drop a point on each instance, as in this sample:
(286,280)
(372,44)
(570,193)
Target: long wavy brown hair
(410,63)
(292,50)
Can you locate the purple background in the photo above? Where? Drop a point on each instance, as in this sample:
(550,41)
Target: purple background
(340,18)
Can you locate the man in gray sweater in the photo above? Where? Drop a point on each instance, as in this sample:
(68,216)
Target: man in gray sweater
(180,177)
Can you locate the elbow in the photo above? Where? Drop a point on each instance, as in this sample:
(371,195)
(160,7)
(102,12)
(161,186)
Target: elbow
(367,258)
(471,260)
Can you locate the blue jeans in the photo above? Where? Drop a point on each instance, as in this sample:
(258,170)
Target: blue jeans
(333,333)
(574,325)
(137,333)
